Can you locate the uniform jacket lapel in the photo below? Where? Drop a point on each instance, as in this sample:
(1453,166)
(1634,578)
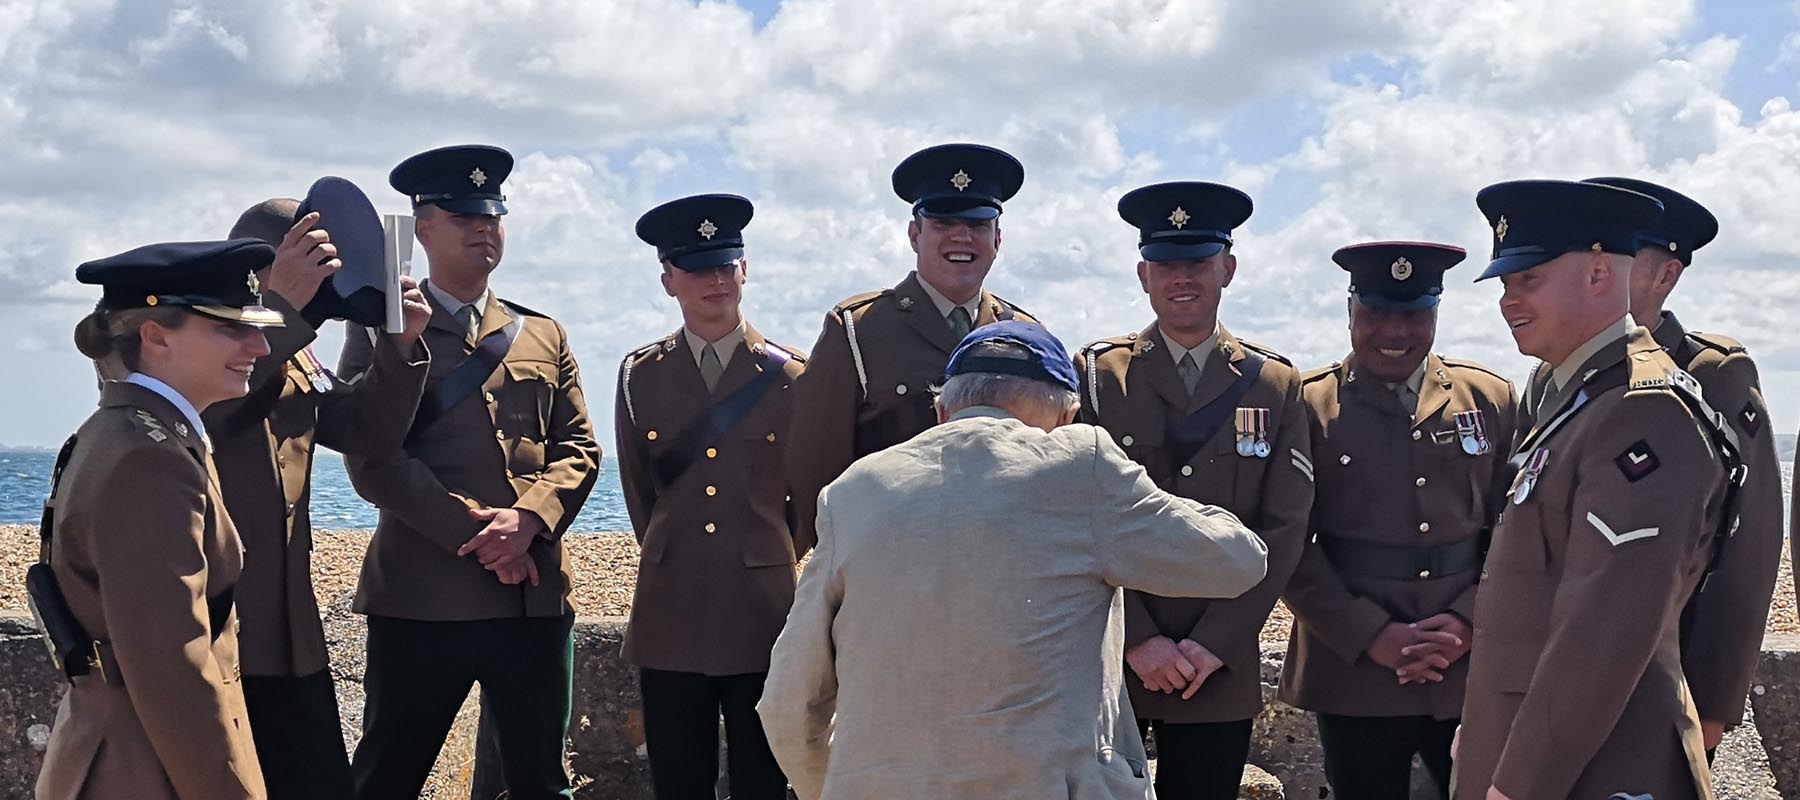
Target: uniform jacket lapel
(494,317)
(922,314)
(1434,390)
(1218,373)
(444,320)
(1152,357)
(1368,391)
(746,364)
(1607,358)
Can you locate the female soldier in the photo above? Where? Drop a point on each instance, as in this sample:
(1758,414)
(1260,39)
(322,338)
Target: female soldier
(143,550)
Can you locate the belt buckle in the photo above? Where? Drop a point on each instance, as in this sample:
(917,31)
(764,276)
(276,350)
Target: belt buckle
(99,663)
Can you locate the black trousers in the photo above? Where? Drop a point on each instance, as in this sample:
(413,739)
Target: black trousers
(681,732)
(299,736)
(1199,760)
(1370,758)
(418,675)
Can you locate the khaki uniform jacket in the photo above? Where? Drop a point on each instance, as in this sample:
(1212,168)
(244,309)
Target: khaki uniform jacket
(867,385)
(716,571)
(147,557)
(1132,390)
(958,632)
(1386,477)
(263,446)
(1575,682)
(1722,627)
(522,441)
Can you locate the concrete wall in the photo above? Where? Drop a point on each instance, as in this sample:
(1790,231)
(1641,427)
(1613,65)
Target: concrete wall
(607,736)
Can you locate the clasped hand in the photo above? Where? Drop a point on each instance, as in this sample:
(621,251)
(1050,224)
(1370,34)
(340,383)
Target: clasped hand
(502,546)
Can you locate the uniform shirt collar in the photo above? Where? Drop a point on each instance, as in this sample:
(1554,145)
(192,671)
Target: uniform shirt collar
(1415,381)
(944,306)
(455,306)
(1200,351)
(181,403)
(725,346)
(1564,373)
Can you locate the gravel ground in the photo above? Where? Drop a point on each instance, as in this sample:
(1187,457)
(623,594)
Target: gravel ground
(605,567)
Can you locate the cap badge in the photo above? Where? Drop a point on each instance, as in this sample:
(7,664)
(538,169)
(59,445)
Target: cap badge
(960,180)
(255,286)
(707,229)
(478,178)
(1401,270)
(1673,247)
(906,304)
(1500,228)
(1179,217)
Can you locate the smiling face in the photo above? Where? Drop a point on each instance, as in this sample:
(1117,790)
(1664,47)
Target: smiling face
(709,299)
(1555,306)
(461,245)
(205,359)
(954,255)
(1185,294)
(1390,343)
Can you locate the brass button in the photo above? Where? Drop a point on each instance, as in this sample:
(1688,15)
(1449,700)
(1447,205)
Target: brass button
(651,436)
(1187,470)
(901,389)
(771,437)
(488,396)
(1424,573)
(290,509)
(1126,440)
(1424,527)
(711,528)
(712,490)
(1420,481)
(712,452)
(500,435)
(1417,435)
(509,473)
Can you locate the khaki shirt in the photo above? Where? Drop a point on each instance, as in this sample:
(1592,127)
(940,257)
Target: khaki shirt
(523,440)
(263,446)
(716,570)
(868,384)
(1135,393)
(1575,685)
(1391,478)
(147,558)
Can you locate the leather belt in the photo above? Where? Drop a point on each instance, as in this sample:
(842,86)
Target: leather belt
(1402,562)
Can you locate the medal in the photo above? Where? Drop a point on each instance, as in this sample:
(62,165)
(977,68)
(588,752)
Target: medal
(1473,429)
(1253,432)
(1528,476)
(1246,435)
(314,370)
(1261,416)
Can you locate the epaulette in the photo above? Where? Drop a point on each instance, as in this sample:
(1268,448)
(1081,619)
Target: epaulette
(1265,351)
(1719,342)
(523,310)
(1014,307)
(1092,352)
(856,301)
(666,343)
(1466,364)
(1318,373)
(151,427)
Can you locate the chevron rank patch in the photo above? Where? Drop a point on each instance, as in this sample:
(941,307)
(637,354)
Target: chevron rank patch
(1638,461)
(1750,419)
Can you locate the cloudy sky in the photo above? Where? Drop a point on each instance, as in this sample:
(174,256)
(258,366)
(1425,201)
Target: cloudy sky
(123,123)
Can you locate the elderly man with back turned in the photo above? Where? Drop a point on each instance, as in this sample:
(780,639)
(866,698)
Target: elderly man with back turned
(959,631)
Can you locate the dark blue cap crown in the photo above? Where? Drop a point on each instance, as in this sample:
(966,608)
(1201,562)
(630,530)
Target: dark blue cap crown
(1045,360)
(1536,221)
(697,233)
(966,181)
(357,291)
(1184,220)
(1403,276)
(1685,225)
(214,278)
(461,179)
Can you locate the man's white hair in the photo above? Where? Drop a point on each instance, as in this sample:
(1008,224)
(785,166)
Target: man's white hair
(1018,394)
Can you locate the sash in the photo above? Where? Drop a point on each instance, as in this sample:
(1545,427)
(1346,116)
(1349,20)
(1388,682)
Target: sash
(1196,429)
(718,419)
(467,376)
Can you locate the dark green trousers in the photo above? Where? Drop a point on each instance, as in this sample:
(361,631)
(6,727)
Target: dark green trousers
(418,675)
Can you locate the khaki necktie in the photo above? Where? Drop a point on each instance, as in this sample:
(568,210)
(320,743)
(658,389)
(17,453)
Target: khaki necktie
(1547,403)
(959,322)
(471,320)
(1409,399)
(1189,371)
(710,368)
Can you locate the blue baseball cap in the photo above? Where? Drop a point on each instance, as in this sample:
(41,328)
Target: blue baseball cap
(1047,361)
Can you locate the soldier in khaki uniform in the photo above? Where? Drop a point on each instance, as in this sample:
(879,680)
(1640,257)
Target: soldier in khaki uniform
(867,386)
(1575,684)
(466,580)
(1722,626)
(1410,454)
(141,547)
(699,417)
(263,446)
(1215,419)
